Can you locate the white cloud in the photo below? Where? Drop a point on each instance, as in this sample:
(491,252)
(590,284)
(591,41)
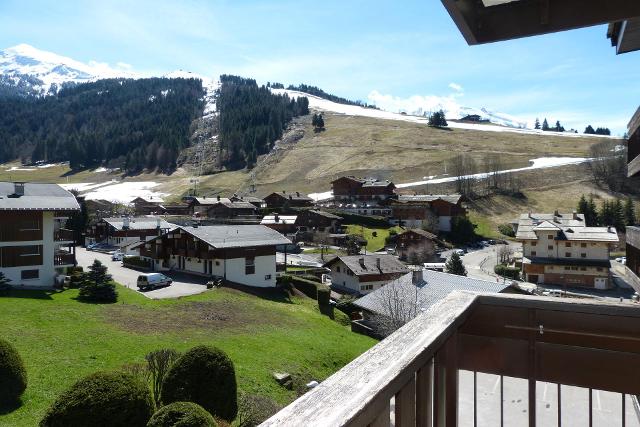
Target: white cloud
(124,65)
(456,87)
(416,104)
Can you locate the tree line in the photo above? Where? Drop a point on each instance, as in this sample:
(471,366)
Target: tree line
(316,91)
(251,119)
(134,124)
(612,213)
(589,130)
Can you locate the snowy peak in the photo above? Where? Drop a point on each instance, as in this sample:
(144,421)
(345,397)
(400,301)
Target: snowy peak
(45,72)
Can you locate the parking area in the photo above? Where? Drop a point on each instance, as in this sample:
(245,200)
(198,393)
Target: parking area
(182,285)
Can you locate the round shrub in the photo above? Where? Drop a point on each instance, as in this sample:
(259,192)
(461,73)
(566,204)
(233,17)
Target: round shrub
(102,399)
(324,296)
(204,375)
(182,414)
(13,376)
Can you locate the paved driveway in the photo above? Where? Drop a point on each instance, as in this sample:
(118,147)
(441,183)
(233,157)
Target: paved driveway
(182,285)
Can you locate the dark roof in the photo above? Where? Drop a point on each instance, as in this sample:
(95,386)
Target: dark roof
(295,195)
(250,199)
(325,214)
(211,200)
(139,223)
(570,262)
(237,236)
(40,197)
(362,265)
(433,287)
(235,205)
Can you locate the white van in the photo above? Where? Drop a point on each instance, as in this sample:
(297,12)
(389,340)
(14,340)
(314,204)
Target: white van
(117,256)
(153,280)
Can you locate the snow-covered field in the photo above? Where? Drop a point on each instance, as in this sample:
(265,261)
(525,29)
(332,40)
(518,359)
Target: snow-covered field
(353,110)
(120,192)
(539,163)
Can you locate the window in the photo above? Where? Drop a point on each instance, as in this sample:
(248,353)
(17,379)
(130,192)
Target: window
(267,277)
(33,250)
(583,245)
(583,268)
(567,268)
(583,255)
(599,268)
(249,265)
(550,247)
(550,236)
(534,243)
(29,274)
(567,244)
(567,254)
(533,253)
(366,287)
(217,262)
(29,225)
(338,269)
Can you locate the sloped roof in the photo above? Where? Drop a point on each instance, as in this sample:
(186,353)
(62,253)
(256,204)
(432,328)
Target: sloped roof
(451,198)
(235,205)
(421,232)
(433,287)
(528,222)
(237,236)
(37,196)
(295,195)
(595,234)
(324,214)
(250,199)
(546,226)
(362,265)
(210,200)
(139,223)
(282,219)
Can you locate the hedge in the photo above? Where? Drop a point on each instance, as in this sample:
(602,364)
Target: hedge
(136,261)
(182,414)
(13,376)
(104,398)
(324,296)
(510,272)
(206,376)
(367,221)
(307,287)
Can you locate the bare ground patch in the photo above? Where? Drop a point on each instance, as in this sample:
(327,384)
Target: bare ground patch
(206,316)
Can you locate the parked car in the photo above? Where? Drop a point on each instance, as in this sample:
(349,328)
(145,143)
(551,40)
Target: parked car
(459,251)
(117,256)
(152,281)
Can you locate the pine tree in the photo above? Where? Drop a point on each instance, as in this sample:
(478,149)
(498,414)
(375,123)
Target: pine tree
(618,215)
(4,282)
(454,265)
(545,124)
(97,285)
(583,206)
(438,119)
(536,125)
(591,218)
(629,212)
(589,130)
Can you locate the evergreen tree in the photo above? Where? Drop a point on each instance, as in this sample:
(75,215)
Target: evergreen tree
(536,125)
(454,265)
(438,119)
(607,215)
(583,206)
(97,285)
(619,220)
(589,130)
(545,124)
(629,212)
(4,282)
(591,218)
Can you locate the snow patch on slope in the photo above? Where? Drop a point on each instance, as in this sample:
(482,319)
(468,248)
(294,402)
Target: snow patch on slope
(114,191)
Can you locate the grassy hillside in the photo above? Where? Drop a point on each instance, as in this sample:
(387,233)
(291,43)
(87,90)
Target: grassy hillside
(62,339)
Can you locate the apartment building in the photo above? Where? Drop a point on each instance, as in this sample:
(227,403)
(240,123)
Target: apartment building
(559,249)
(432,211)
(361,274)
(35,247)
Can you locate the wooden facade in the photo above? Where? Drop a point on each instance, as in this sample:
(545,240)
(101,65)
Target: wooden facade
(283,199)
(20,226)
(416,245)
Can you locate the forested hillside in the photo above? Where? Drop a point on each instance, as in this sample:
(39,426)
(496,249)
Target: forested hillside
(316,91)
(134,124)
(251,119)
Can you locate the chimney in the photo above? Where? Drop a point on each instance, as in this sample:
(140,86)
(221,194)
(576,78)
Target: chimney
(556,213)
(297,193)
(361,260)
(18,189)
(529,214)
(157,222)
(378,264)
(290,197)
(416,277)
(218,197)
(125,222)
(276,217)
(575,215)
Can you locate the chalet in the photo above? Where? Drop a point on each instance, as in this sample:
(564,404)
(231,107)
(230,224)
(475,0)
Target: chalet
(416,246)
(35,248)
(285,224)
(243,254)
(147,207)
(319,221)
(285,199)
(361,274)
(349,189)
(182,209)
(125,230)
(255,201)
(227,209)
(199,205)
(432,211)
(559,249)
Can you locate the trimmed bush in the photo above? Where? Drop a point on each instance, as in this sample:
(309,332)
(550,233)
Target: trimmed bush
(507,230)
(510,272)
(102,399)
(13,376)
(206,376)
(307,287)
(182,414)
(324,296)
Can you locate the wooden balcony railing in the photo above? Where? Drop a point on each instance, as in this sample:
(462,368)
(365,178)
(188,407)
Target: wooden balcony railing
(62,235)
(64,259)
(414,376)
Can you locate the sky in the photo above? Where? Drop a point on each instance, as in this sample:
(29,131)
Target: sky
(400,55)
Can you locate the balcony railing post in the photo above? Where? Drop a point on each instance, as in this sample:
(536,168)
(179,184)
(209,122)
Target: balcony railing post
(405,409)
(382,420)
(445,407)
(424,396)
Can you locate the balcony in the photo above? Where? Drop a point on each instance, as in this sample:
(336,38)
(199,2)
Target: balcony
(550,362)
(63,235)
(64,259)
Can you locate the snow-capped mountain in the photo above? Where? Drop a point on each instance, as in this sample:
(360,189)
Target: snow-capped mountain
(37,72)
(496,118)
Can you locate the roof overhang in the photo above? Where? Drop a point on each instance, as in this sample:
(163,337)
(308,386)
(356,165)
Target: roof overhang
(625,35)
(497,20)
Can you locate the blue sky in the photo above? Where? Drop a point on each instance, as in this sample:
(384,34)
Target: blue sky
(399,54)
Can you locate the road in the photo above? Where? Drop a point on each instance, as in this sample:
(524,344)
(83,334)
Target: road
(182,285)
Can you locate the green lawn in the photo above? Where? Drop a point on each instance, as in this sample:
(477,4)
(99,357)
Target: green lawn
(62,339)
(373,243)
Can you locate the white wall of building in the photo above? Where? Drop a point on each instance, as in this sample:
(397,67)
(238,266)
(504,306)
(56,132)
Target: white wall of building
(352,282)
